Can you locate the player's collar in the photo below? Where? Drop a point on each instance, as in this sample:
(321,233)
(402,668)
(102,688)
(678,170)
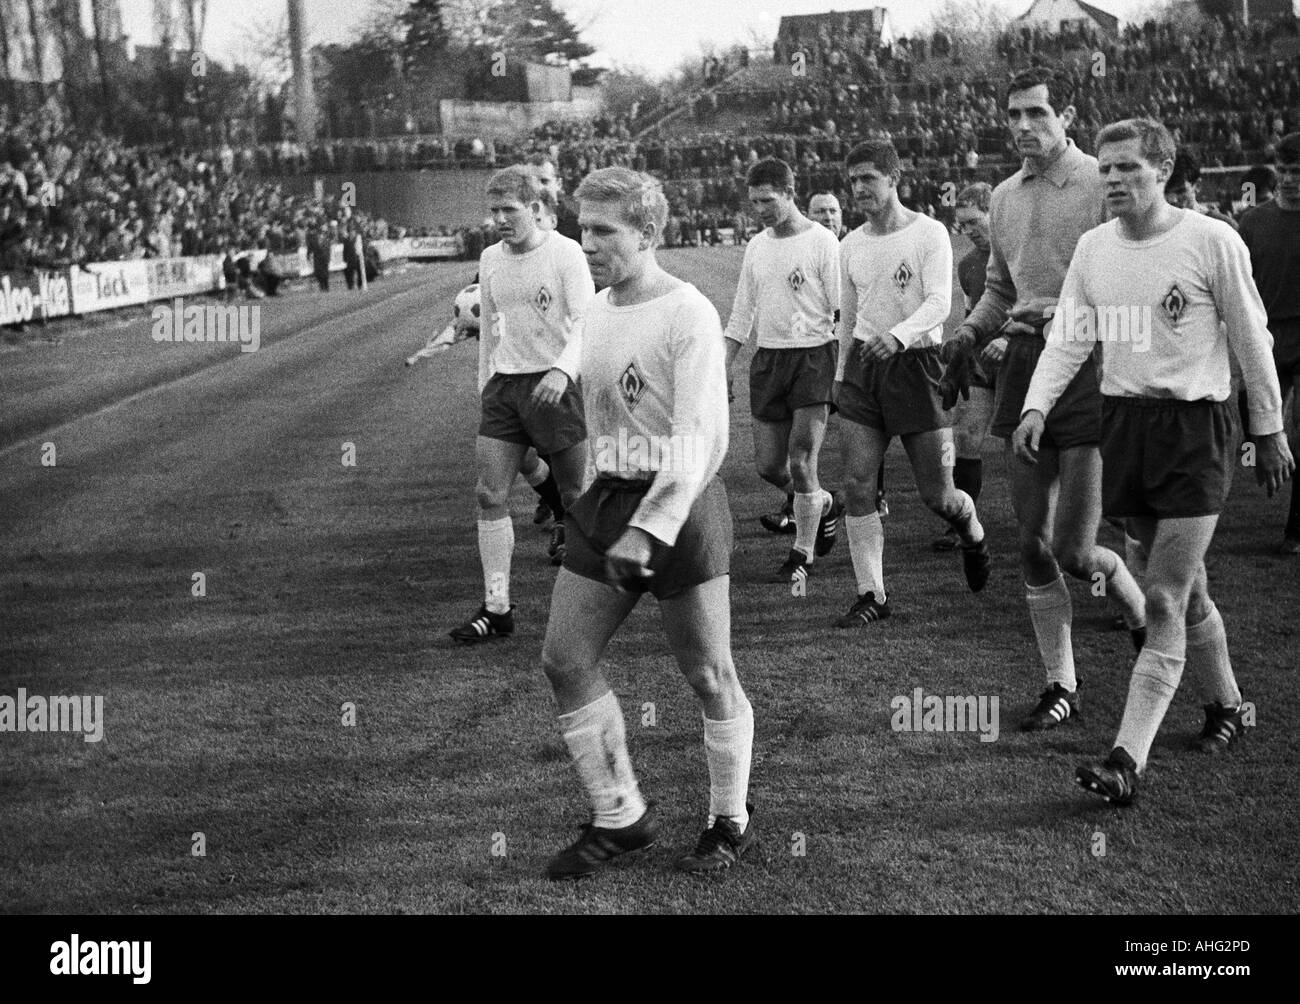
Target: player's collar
(1058,171)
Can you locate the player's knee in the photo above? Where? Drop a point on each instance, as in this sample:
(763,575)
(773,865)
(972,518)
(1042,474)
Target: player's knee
(1199,606)
(711,678)
(1076,560)
(559,666)
(1034,550)
(939,500)
(1164,604)
(491,496)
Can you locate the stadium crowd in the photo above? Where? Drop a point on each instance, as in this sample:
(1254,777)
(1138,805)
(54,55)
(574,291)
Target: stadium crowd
(66,199)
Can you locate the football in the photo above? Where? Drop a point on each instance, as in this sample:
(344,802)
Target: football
(465,313)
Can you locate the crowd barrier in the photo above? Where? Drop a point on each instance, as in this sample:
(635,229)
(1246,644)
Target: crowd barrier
(85,289)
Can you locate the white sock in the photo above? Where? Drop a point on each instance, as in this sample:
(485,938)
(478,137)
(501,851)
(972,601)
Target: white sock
(867,549)
(1135,557)
(496,543)
(728,747)
(967,524)
(540,473)
(1155,679)
(1208,662)
(808,509)
(598,745)
(1123,588)
(1050,611)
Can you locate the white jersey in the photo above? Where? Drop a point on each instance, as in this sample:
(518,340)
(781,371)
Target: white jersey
(898,284)
(654,389)
(790,287)
(533,305)
(1166,310)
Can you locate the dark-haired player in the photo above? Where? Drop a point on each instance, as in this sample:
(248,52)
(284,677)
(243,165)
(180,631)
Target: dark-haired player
(1271,232)
(897,293)
(789,290)
(1036,218)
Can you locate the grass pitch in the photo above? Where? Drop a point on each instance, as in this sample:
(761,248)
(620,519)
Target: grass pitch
(329,586)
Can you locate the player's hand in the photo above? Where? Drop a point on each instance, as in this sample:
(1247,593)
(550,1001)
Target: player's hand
(627,562)
(961,343)
(955,380)
(551,388)
(882,346)
(1031,317)
(1274,463)
(994,351)
(1024,441)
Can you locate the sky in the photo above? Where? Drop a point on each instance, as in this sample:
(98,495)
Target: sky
(651,35)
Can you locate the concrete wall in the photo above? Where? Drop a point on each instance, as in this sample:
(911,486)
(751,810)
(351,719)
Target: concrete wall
(409,198)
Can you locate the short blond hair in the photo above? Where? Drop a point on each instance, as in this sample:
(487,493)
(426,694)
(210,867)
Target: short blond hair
(517,182)
(640,197)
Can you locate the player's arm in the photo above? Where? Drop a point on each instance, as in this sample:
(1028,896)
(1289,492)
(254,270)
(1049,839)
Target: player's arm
(1062,357)
(744,311)
(578,292)
(1246,320)
(699,423)
(936,282)
(848,312)
(489,334)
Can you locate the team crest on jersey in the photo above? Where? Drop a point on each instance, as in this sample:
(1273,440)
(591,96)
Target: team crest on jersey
(1174,303)
(631,385)
(543,299)
(796,279)
(902,276)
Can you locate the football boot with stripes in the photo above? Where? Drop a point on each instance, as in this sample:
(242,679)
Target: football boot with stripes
(828,528)
(796,568)
(1055,705)
(720,846)
(484,626)
(1222,729)
(597,847)
(865,609)
(1115,780)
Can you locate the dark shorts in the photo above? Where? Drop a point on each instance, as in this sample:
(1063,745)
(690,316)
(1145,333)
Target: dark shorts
(599,517)
(982,375)
(1075,420)
(1166,458)
(781,380)
(510,415)
(899,396)
(1286,351)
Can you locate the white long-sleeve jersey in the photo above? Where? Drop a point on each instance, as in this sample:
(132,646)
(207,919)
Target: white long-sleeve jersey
(899,284)
(1166,311)
(533,306)
(654,390)
(790,288)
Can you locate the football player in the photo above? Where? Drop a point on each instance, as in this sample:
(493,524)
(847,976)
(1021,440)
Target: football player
(655,519)
(536,288)
(789,290)
(1036,218)
(897,293)
(1168,421)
